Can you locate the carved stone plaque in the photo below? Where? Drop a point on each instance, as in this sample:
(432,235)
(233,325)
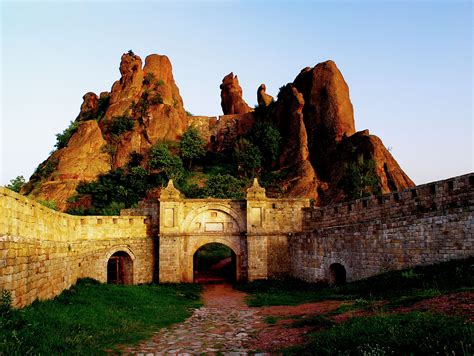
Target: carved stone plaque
(214,227)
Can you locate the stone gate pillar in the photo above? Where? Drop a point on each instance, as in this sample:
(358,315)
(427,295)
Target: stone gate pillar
(170,217)
(257,240)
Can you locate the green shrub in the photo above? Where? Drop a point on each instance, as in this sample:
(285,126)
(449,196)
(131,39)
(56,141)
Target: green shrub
(359,179)
(224,187)
(16,184)
(266,136)
(62,138)
(248,157)
(192,145)
(45,169)
(148,78)
(115,190)
(103,105)
(401,334)
(120,124)
(51,204)
(156,99)
(163,160)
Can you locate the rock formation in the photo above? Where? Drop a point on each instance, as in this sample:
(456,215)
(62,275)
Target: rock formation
(262,97)
(301,180)
(314,116)
(231,96)
(148,96)
(328,131)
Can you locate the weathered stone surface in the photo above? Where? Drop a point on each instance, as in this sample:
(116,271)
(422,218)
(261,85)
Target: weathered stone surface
(314,115)
(262,97)
(231,96)
(89,107)
(328,111)
(426,224)
(42,252)
(130,83)
(149,96)
(391,176)
(301,180)
(82,160)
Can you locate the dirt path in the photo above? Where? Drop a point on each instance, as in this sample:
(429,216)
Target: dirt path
(223,324)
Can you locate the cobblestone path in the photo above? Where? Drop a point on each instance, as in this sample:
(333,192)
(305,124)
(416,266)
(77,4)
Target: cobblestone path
(223,325)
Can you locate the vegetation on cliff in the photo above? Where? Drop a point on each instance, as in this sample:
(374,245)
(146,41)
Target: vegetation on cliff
(304,144)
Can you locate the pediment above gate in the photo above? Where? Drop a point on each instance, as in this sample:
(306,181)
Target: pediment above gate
(213,221)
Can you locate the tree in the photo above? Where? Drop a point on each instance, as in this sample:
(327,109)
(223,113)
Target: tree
(224,187)
(267,137)
(62,138)
(192,145)
(359,179)
(163,160)
(16,184)
(248,157)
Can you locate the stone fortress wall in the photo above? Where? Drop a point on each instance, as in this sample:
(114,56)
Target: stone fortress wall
(422,225)
(43,252)
(221,131)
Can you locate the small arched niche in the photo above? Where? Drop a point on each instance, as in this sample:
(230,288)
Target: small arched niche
(337,274)
(214,263)
(120,268)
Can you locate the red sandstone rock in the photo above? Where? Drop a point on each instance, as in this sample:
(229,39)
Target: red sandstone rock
(314,115)
(288,114)
(262,97)
(231,96)
(328,112)
(162,117)
(89,107)
(82,160)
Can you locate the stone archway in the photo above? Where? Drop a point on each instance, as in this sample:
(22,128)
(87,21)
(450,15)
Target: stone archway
(120,268)
(214,263)
(337,274)
(119,261)
(212,223)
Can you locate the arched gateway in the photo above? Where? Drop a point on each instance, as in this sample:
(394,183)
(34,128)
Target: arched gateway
(255,230)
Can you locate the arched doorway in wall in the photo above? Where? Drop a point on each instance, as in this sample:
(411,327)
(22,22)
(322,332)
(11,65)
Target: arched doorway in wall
(214,263)
(337,274)
(120,268)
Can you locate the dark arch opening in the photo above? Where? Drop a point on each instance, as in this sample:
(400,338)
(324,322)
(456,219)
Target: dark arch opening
(337,274)
(120,268)
(214,263)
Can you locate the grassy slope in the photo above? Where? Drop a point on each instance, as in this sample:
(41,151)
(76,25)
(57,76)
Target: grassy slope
(399,287)
(91,317)
(382,333)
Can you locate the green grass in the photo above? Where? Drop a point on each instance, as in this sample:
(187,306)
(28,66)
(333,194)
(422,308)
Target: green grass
(399,287)
(91,317)
(399,334)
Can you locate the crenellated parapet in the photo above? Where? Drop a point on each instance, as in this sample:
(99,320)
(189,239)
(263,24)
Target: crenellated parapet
(431,197)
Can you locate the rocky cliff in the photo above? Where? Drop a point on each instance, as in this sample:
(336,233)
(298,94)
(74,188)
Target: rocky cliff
(314,115)
(143,107)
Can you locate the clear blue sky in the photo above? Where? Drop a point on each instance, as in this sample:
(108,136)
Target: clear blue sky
(409,66)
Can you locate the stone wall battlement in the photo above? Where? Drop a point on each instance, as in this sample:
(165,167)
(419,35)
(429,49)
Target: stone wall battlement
(422,199)
(20,216)
(43,252)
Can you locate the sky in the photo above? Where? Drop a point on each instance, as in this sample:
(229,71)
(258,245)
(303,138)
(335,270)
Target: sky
(408,64)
